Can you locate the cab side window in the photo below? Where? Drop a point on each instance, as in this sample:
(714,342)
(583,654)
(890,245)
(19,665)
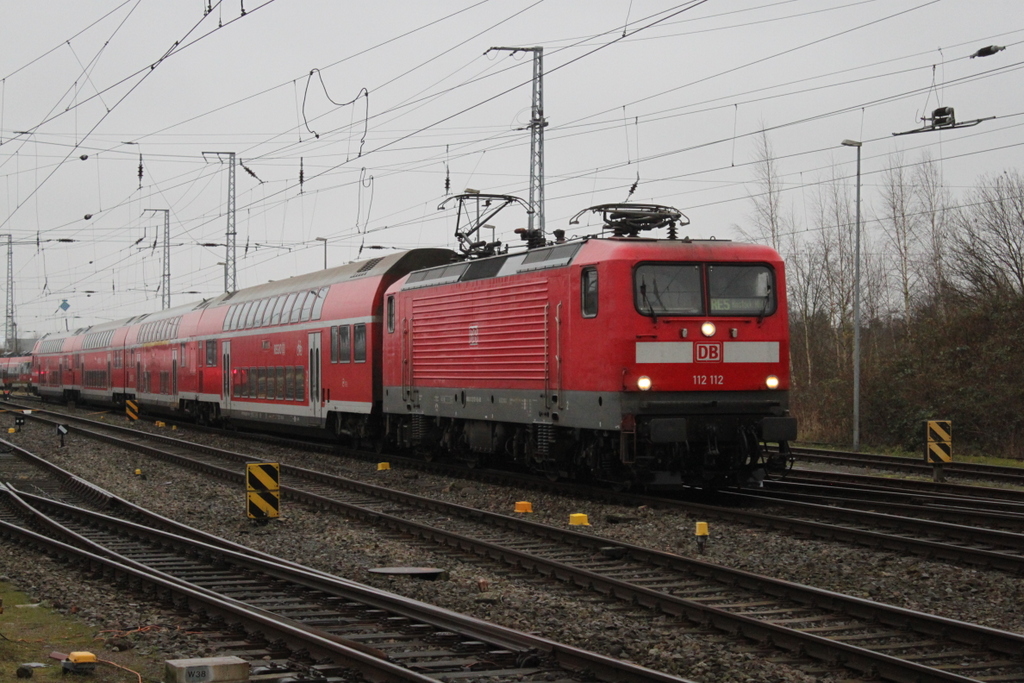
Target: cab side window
(588,291)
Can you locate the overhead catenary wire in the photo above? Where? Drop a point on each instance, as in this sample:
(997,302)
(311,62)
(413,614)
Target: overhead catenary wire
(265,203)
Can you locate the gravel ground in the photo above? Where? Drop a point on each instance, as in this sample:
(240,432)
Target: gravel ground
(349,549)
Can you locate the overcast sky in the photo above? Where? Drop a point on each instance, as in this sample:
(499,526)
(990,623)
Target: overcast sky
(670,94)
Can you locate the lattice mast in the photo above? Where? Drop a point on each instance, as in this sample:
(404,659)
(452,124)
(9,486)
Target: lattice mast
(535,219)
(165,278)
(230,269)
(10,329)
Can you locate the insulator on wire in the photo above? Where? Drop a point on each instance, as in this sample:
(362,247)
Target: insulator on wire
(447,173)
(140,170)
(302,175)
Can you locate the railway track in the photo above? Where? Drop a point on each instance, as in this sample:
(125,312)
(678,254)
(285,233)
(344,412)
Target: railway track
(960,470)
(964,505)
(900,485)
(943,540)
(868,637)
(292,608)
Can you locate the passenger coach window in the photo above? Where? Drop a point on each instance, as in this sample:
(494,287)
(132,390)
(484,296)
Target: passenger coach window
(359,343)
(211,354)
(344,345)
(588,288)
(668,289)
(297,307)
(391,313)
(307,306)
(318,307)
(288,305)
(275,316)
(261,308)
(741,290)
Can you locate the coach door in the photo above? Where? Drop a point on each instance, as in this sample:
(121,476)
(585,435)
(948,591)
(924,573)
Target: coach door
(315,391)
(225,372)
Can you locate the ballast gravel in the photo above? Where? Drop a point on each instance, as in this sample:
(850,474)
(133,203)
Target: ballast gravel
(484,589)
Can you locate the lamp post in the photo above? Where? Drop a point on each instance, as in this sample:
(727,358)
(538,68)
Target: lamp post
(324,240)
(856,308)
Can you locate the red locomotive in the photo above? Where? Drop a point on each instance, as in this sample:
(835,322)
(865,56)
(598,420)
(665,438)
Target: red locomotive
(618,358)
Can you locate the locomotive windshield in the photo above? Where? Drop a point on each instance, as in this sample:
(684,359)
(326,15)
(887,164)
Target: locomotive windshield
(668,289)
(671,289)
(741,290)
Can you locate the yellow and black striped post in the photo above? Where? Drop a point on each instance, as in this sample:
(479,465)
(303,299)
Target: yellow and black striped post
(131,409)
(938,447)
(263,490)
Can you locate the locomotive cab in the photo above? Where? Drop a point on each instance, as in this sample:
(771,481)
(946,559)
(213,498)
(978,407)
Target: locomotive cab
(707,387)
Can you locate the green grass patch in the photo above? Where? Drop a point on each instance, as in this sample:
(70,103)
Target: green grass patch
(30,634)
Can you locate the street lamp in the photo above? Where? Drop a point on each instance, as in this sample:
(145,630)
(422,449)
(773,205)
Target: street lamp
(856,308)
(324,240)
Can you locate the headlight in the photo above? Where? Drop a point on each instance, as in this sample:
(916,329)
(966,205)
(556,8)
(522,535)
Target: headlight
(708,329)
(772,382)
(644,383)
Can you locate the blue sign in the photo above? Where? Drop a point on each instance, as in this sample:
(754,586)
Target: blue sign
(64,305)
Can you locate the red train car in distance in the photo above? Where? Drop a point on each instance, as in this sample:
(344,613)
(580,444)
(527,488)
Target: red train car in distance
(663,362)
(16,373)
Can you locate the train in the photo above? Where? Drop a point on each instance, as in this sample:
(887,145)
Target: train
(616,357)
(15,373)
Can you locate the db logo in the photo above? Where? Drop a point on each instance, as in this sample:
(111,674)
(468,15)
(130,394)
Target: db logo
(709,352)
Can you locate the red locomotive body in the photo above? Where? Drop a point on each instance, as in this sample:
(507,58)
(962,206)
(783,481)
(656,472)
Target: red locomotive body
(658,361)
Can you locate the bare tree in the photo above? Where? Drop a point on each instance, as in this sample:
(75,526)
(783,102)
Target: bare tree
(835,232)
(932,200)
(768,223)
(989,242)
(901,226)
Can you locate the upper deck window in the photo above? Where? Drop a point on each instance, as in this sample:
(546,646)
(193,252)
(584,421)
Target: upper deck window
(668,289)
(741,290)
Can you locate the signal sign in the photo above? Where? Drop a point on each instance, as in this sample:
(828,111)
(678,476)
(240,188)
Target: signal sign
(262,504)
(131,409)
(263,489)
(939,442)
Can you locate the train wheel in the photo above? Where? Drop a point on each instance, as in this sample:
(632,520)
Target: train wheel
(334,420)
